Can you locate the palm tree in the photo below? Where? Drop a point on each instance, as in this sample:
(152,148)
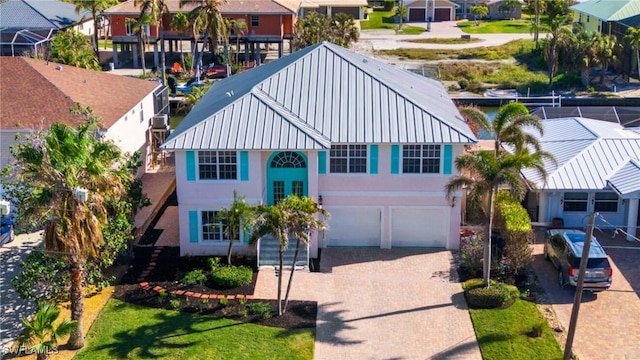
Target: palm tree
(582,50)
(633,39)
(345,29)
(138,26)
(237,218)
(605,52)
(52,166)
(484,172)
(154,9)
(41,334)
(239,28)
(294,216)
(211,20)
(73,48)
(558,34)
(180,22)
(96,7)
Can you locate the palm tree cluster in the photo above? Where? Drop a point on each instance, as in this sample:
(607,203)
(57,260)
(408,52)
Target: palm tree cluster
(315,28)
(483,172)
(294,217)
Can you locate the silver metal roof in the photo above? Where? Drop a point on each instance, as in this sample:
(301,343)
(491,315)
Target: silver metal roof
(626,180)
(588,153)
(317,96)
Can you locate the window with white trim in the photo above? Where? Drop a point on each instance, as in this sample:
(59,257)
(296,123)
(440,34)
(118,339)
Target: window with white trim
(212,228)
(255,21)
(606,202)
(421,159)
(575,201)
(348,159)
(217,165)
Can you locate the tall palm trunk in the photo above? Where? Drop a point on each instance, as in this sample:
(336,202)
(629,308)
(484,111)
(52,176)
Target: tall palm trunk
(293,268)
(603,71)
(281,250)
(96,46)
(638,60)
(584,76)
(76,294)
(486,266)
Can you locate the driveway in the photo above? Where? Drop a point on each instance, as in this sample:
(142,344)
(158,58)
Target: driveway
(608,325)
(384,304)
(12,307)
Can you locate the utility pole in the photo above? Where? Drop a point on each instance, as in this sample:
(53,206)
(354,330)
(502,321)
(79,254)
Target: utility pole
(579,286)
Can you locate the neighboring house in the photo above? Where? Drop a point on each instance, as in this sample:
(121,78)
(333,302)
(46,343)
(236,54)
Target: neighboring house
(355,8)
(598,167)
(612,17)
(374,144)
(268,22)
(430,10)
(27,25)
(497,9)
(36,94)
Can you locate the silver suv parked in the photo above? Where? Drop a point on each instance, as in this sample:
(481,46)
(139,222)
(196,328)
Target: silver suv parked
(563,247)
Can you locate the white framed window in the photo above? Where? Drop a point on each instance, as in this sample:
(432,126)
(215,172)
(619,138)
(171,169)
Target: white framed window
(575,201)
(606,202)
(212,228)
(129,23)
(217,165)
(255,20)
(348,159)
(421,159)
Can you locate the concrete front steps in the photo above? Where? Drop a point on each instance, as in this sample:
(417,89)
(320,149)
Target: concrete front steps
(268,254)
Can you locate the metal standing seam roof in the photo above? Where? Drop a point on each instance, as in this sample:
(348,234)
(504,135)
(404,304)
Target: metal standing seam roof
(627,179)
(588,153)
(317,96)
(609,10)
(32,14)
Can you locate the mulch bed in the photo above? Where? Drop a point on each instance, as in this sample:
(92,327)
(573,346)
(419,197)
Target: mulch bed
(170,267)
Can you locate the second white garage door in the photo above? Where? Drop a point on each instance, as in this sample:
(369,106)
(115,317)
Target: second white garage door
(419,227)
(351,226)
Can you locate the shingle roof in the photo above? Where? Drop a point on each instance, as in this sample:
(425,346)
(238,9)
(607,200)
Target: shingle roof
(35,94)
(34,14)
(337,3)
(609,10)
(588,153)
(321,94)
(625,180)
(231,7)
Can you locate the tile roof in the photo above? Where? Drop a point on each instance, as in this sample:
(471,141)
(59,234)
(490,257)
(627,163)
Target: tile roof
(625,180)
(588,153)
(35,94)
(609,10)
(34,14)
(316,96)
(231,7)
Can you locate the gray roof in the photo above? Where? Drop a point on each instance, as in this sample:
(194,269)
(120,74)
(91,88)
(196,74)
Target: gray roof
(625,180)
(588,153)
(34,14)
(317,96)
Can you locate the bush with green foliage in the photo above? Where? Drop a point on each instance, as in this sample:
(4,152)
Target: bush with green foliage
(515,225)
(194,277)
(471,257)
(261,309)
(497,295)
(389,4)
(227,277)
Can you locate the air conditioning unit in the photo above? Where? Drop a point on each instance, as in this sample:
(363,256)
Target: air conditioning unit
(160,121)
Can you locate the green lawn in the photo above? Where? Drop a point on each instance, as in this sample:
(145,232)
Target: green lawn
(502,333)
(496,26)
(125,331)
(381,19)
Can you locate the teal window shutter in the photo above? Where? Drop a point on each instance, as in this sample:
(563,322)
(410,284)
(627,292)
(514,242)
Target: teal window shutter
(191,165)
(244,166)
(322,162)
(447,159)
(373,159)
(395,159)
(193,226)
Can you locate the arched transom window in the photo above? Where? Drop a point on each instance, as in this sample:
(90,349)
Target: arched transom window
(288,159)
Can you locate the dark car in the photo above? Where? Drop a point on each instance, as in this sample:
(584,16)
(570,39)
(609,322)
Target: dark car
(6,230)
(563,247)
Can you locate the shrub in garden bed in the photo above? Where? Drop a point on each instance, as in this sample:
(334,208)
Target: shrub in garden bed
(228,277)
(498,295)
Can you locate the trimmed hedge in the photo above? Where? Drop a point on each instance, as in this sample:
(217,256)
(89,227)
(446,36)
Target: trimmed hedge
(231,276)
(497,295)
(512,217)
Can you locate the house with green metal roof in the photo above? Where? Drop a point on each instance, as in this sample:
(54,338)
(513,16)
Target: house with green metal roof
(611,17)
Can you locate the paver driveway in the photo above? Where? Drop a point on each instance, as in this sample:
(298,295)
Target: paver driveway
(384,304)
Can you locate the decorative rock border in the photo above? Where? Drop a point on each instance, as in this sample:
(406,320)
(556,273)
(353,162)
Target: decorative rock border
(195,295)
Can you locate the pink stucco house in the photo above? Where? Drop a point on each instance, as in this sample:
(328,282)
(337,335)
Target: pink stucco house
(373,143)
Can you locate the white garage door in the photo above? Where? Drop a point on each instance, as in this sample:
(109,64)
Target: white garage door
(419,227)
(353,227)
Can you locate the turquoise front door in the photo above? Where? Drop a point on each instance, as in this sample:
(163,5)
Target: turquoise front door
(286,175)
